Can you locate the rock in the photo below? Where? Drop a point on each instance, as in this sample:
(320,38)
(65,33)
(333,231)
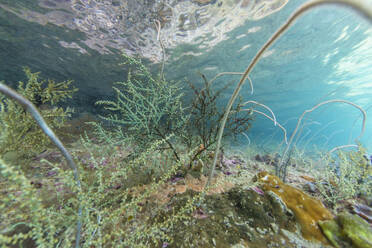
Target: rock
(259,158)
(308,178)
(356,229)
(307,210)
(274,227)
(363,211)
(347,229)
(332,231)
(310,187)
(279,204)
(268,159)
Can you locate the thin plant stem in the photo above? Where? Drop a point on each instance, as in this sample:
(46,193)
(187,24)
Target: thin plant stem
(360,7)
(318,132)
(262,105)
(355,121)
(232,73)
(281,165)
(331,136)
(342,147)
(27,105)
(280,126)
(249,140)
(158,28)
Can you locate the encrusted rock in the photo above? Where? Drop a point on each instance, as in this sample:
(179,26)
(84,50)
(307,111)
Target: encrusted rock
(348,229)
(307,210)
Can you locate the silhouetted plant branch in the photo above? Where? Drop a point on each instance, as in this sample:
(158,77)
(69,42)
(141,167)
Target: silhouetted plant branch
(202,128)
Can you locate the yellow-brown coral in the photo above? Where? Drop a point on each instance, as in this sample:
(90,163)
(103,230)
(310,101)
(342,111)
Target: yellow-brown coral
(307,210)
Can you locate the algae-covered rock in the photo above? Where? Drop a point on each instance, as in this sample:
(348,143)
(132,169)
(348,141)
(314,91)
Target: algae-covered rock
(333,232)
(307,210)
(347,229)
(356,229)
(235,218)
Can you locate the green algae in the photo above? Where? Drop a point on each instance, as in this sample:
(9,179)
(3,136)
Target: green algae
(348,229)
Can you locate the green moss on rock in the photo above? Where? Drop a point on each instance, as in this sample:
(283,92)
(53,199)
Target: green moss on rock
(348,229)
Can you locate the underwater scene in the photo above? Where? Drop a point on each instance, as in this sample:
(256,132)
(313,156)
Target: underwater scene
(186,123)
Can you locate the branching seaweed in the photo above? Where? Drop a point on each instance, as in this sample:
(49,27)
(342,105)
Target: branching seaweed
(19,131)
(202,127)
(344,176)
(281,169)
(27,105)
(149,108)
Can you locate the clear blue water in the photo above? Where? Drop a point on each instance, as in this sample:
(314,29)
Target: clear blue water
(326,54)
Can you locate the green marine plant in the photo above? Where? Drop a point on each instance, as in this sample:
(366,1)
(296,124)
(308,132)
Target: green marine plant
(114,212)
(344,176)
(149,108)
(360,7)
(19,187)
(116,205)
(47,220)
(19,132)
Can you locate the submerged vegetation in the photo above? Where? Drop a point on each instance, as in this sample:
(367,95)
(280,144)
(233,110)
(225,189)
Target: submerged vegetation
(151,109)
(345,176)
(19,131)
(205,116)
(142,183)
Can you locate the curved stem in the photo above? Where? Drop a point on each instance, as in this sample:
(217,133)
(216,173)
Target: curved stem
(262,105)
(281,164)
(27,105)
(355,121)
(342,147)
(268,117)
(249,140)
(360,7)
(232,73)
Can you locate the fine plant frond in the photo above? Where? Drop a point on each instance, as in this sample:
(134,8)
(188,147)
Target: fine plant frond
(202,127)
(19,132)
(343,176)
(148,108)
